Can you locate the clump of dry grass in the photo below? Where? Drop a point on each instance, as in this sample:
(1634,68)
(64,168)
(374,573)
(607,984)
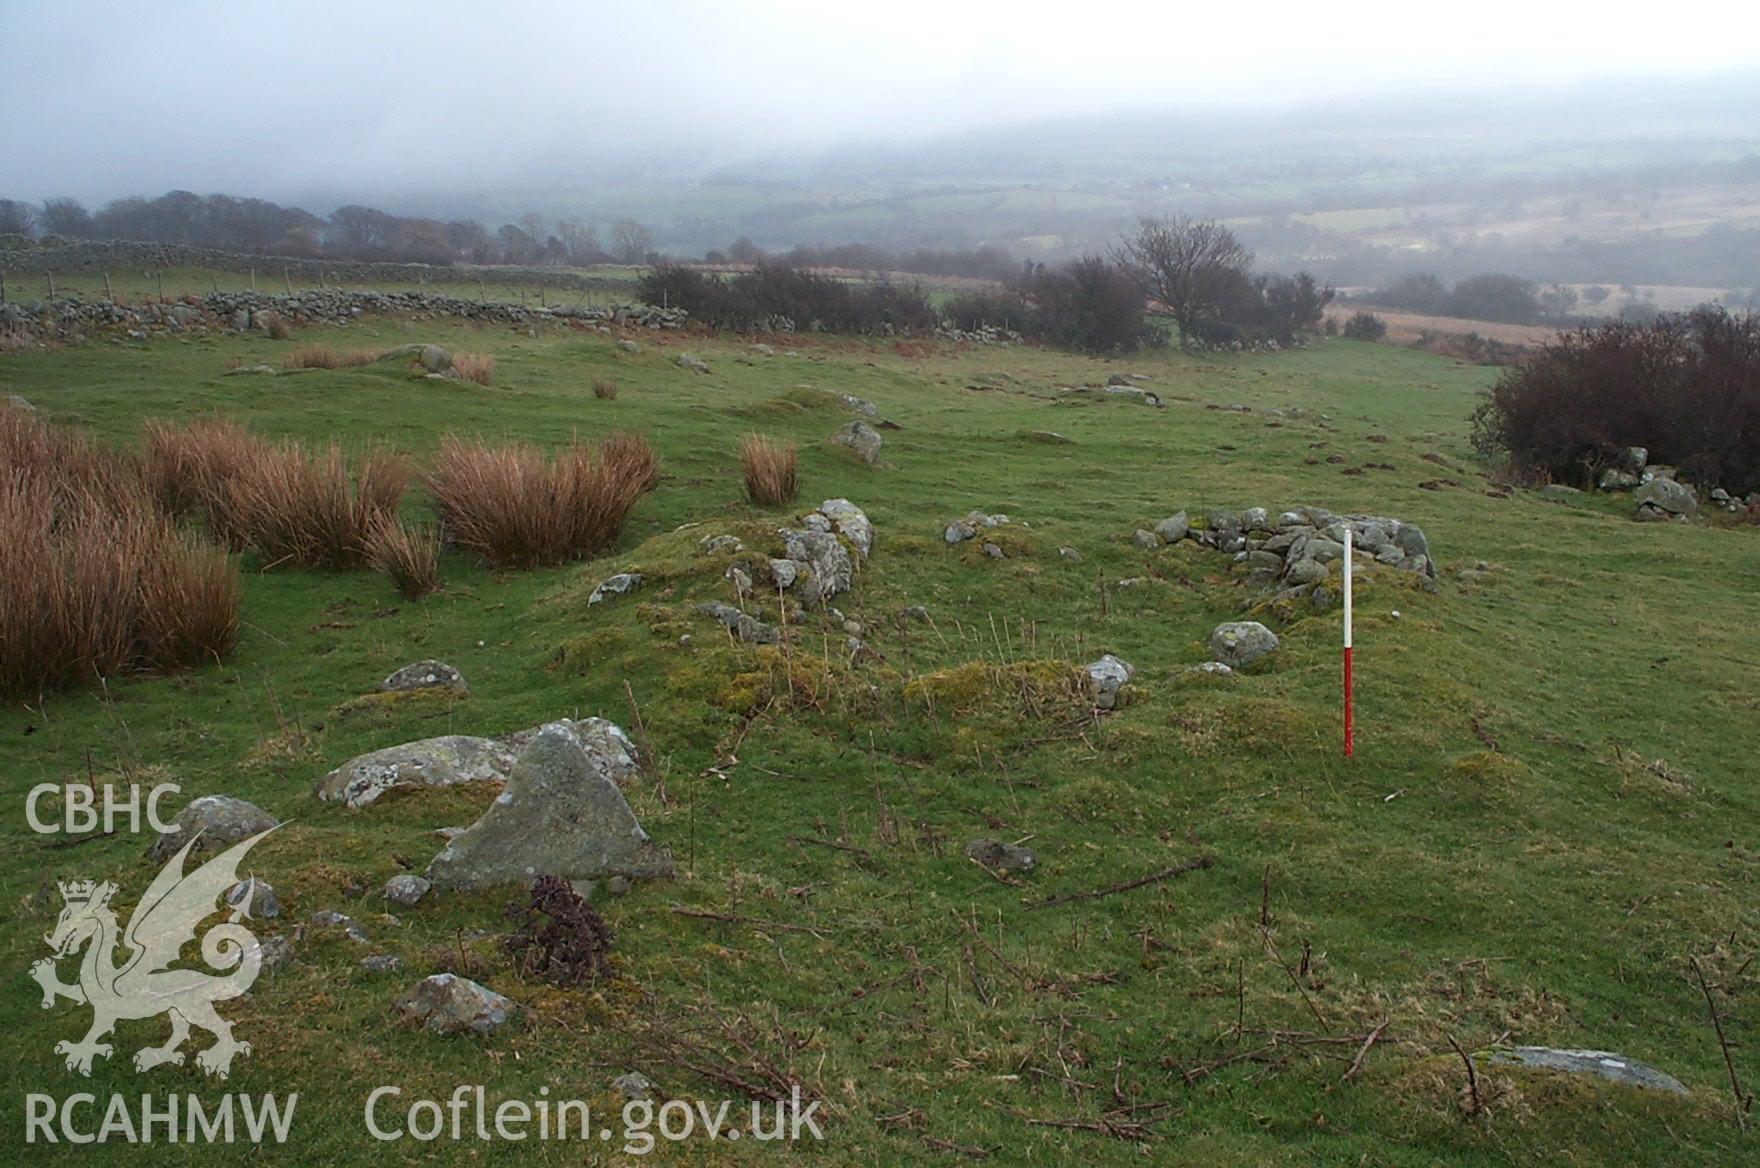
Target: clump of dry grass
(187,467)
(771,469)
(477,367)
(97,580)
(605,388)
(326,357)
(279,329)
(410,556)
(294,507)
(517,508)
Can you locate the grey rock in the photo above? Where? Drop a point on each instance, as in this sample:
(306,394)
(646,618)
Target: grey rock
(1173,528)
(692,362)
(1215,668)
(607,746)
(329,918)
(1240,643)
(19,402)
(277,953)
(994,551)
(742,625)
(1147,540)
(851,522)
(1604,1064)
(1667,495)
(711,544)
(958,532)
(425,675)
(1305,572)
(783,572)
(616,586)
(406,889)
(1615,479)
(1107,676)
(446,1003)
(1070,554)
(763,350)
(822,552)
(432,358)
(381,963)
(430,762)
(215,822)
(740,579)
(1633,459)
(635,1086)
(561,814)
(254,898)
(861,438)
(1001,857)
(860,405)
(1558,491)
(1254,519)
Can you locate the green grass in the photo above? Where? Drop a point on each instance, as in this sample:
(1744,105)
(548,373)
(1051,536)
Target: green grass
(1552,804)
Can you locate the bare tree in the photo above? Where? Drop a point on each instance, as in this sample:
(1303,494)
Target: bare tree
(1196,267)
(630,241)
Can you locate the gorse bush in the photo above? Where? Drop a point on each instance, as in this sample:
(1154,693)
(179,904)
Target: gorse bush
(517,508)
(97,580)
(1686,387)
(771,469)
(1365,326)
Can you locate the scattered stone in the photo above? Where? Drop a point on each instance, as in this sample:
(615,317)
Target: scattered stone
(1107,676)
(381,963)
(1173,528)
(994,550)
(616,586)
(432,358)
(1049,437)
(861,438)
(711,544)
(258,370)
(215,822)
(1147,540)
(1605,1064)
(860,405)
(851,522)
(425,675)
(329,918)
(958,532)
(1001,857)
(763,350)
(446,1003)
(1215,668)
(1558,491)
(561,814)
(742,625)
(915,612)
(1070,554)
(636,1087)
(692,362)
(254,898)
(430,762)
(629,346)
(277,953)
(406,889)
(1240,643)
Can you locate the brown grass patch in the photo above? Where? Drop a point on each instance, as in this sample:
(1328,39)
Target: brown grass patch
(295,507)
(605,388)
(410,556)
(477,367)
(771,469)
(326,357)
(517,508)
(97,580)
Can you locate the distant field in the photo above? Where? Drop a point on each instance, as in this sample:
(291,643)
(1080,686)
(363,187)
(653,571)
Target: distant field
(1405,327)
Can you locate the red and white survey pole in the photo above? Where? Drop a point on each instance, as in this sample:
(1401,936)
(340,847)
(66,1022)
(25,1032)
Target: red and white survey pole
(1347,640)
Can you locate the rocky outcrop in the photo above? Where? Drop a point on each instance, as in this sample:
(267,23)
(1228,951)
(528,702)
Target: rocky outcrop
(425,675)
(449,1004)
(1238,644)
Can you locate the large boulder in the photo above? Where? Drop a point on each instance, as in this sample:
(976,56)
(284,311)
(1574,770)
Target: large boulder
(832,571)
(432,358)
(215,822)
(1665,498)
(430,762)
(861,438)
(1106,677)
(1240,643)
(560,815)
(449,1004)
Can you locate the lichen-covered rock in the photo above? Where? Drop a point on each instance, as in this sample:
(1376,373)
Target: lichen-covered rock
(1603,1064)
(616,586)
(851,522)
(254,898)
(406,889)
(449,1004)
(1001,857)
(560,815)
(1107,676)
(743,625)
(861,438)
(1173,528)
(692,362)
(1666,496)
(1240,643)
(429,762)
(215,822)
(424,675)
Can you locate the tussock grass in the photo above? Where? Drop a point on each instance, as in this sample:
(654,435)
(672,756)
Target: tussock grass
(477,367)
(307,509)
(187,467)
(517,508)
(605,388)
(771,469)
(410,556)
(97,580)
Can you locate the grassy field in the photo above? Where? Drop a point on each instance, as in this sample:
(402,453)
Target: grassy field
(1552,806)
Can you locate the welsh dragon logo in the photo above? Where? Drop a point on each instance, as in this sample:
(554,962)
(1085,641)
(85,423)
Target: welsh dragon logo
(144,985)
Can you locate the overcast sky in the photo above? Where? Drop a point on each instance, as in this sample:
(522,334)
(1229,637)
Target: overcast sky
(272,99)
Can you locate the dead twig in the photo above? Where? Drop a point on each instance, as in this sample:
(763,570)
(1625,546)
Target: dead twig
(1362,1053)
(754,922)
(1180,869)
(1735,1086)
(1474,1106)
